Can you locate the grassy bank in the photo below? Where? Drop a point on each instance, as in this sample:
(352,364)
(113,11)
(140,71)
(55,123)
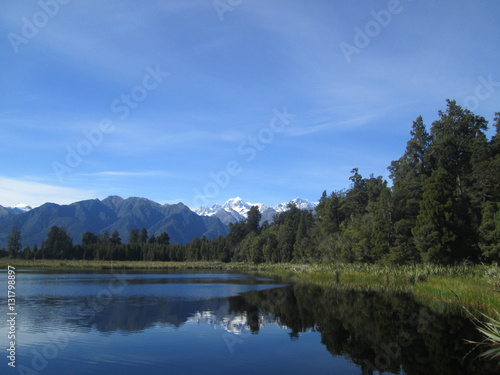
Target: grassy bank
(476,287)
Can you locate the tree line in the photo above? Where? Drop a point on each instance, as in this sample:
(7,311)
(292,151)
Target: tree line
(443,207)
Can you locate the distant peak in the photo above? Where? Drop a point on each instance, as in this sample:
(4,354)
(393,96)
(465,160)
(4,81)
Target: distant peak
(237,199)
(113,198)
(23,207)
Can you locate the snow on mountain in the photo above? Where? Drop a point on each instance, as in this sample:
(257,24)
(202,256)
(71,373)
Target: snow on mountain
(302,204)
(21,207)
(207,211)
(236,209)
(237,204)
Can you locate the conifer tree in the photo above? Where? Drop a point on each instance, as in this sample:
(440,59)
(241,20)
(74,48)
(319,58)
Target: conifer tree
(14,243)
(163,239)
(408,174)
(435,231)
(143,236)
(489,232)
(57,245)
(134,236)
(115,238)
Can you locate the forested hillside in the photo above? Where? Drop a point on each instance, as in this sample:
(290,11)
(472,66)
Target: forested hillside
(443,207)
(108,215)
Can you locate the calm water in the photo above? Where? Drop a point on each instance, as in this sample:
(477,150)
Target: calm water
(224,323)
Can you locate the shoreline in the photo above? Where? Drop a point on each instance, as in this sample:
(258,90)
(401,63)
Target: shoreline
(470,286)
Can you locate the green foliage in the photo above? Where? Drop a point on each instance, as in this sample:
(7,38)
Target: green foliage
(489,232)
(14,243)
(134,236)
(57,245)
(253,220)
(143,236)
(434,234)
(489,326)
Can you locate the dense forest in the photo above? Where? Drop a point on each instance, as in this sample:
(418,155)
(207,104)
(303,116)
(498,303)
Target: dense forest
(443,207)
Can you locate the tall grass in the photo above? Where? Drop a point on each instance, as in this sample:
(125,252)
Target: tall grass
(490,329)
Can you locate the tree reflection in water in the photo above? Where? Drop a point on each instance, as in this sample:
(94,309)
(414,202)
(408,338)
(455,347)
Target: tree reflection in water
(381,330)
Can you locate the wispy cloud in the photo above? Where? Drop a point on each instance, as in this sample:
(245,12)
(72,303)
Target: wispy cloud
(129,174)
(14,191)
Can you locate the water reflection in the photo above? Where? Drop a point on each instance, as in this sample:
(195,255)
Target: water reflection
(378,331)
(220,319)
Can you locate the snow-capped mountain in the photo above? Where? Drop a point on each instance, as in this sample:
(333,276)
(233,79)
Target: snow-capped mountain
(236,209)
(8,212)
(302,204)
(21,207)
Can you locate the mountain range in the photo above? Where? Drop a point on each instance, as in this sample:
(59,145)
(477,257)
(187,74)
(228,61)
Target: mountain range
(115,213)
(110,214)
(6,212)
(236,209)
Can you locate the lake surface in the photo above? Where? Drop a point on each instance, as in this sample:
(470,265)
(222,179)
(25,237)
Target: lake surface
(225,323)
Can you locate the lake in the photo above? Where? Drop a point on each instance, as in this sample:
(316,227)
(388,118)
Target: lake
(225,323)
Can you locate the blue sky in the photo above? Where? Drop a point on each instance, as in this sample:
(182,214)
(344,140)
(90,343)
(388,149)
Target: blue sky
(200,101)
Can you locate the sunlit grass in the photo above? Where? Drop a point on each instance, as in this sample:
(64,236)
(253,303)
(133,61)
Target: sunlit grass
(472,292)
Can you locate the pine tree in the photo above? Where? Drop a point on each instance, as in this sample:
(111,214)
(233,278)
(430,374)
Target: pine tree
(460,147)
(488,189)
(408,174)
(57,245)
(459,142)
(329,214)
(14,243)
(253,220)
(115,238)
(143,236)
(435,230)
(382,231)
(163,239)
(134,236)
(489,231)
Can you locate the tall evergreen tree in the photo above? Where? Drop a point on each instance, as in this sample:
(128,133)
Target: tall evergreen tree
(89,238)
(253,220)
(458,142)
(488,189)
(115,238)
(459,146)
(489,231)
(163,239)
(57,245)
(143,236)
(408,174)
(382,236)
(329,214)
(134,236)
(14,243)
(435,231)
